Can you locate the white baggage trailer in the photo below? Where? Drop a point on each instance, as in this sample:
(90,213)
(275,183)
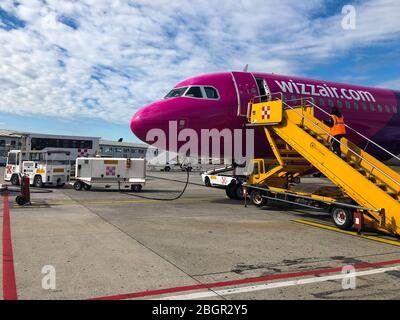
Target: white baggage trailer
(110,173)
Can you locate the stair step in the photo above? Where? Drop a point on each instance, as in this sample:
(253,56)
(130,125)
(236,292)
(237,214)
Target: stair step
(381,185)
(393,194)
(285,151)
(293,159)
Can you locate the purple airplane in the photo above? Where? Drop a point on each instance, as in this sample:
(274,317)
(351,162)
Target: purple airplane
(219,101)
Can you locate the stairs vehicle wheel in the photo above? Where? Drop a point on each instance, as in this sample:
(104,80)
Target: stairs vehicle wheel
(343,218)
(257,199)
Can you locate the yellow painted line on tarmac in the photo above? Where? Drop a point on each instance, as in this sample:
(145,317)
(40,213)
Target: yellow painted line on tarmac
(352,233)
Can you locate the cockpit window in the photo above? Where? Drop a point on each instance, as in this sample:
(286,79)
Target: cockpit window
(178,92)
(194,92)
(211,93)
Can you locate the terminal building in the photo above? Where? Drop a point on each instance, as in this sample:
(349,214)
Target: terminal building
(120,149)
(78,146)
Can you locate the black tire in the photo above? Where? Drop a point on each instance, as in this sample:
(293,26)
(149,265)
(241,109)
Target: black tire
(78,185)
(257,199)
(20,200)
(38,182)
(230,191)
(342,218)
(207,182)
(14,180)
(167,169)
(87,187)
(136,188)
(238,191)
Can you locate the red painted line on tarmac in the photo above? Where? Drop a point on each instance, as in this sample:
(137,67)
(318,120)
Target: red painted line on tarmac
(9,284)
(315,272)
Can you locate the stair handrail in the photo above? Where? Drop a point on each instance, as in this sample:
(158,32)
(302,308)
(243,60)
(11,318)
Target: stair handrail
(346,147)
(354,130)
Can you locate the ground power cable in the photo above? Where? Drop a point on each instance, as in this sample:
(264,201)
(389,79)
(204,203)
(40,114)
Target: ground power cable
(155,198)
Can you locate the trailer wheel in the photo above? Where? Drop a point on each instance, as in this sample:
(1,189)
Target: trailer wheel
(207,182)
(14,180)
(230,190)
(87,187)
(167,169)
(78,185)
(136,188)
(38,182)
(238,191)
(257,199)
(343,218)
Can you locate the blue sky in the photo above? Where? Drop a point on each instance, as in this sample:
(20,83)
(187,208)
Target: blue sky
(84,67)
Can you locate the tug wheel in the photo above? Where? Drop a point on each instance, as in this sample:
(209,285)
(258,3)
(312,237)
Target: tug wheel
(238,191)
(343,218)
(14,180)
(38,182)
(230,191)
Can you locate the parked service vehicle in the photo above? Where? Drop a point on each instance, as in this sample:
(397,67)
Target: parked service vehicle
(110,173)
(50,167)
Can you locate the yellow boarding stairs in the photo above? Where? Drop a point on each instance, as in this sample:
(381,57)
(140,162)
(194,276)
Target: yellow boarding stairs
(300,141)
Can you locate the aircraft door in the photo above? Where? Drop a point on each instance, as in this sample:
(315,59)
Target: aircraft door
(246,90)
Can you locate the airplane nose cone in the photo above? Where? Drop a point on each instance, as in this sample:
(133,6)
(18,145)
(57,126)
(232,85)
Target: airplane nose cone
(147,118)
(138,125)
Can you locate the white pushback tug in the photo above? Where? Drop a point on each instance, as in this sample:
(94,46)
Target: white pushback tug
(49,167)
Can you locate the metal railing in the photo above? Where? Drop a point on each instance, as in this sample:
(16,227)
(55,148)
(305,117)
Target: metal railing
(355,131)
(342,144)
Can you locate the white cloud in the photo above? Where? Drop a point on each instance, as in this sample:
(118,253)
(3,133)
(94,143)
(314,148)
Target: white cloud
(124,54)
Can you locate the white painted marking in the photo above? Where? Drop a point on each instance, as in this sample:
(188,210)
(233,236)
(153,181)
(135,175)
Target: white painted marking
(274,285)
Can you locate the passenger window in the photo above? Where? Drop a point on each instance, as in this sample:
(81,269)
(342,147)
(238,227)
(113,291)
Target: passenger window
(380,108)
(387,108)
(339,104)
(394,109)
(348,105)
(322,102)
(330,103)
(364,105)
(372,106)
(194,92)
(356,105)
(211,93)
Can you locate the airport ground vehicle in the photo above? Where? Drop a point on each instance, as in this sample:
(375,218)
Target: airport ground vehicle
(49,167)
(110,173)
(367,191)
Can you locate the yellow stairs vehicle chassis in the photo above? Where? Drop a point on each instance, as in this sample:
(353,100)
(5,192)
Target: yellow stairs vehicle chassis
(368,191)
